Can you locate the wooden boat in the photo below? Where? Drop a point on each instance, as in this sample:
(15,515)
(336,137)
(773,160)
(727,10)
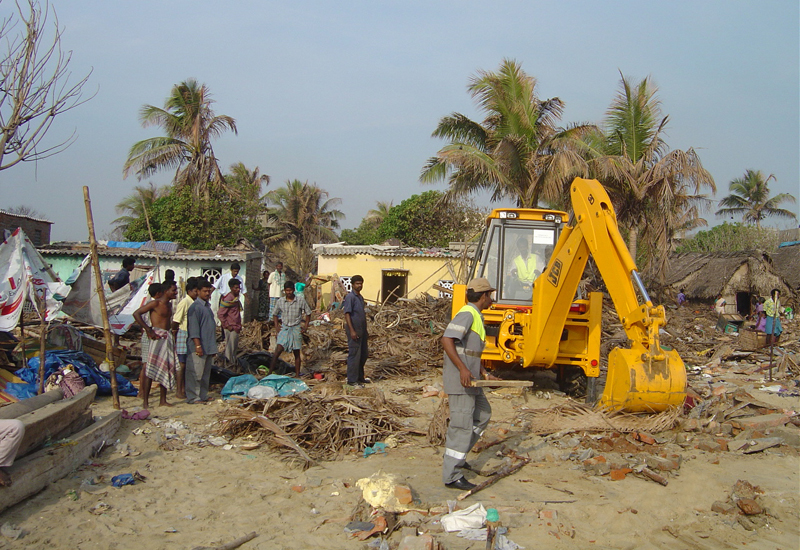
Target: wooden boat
(59,436)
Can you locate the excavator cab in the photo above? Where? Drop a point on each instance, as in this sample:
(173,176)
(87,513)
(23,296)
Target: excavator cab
(516,247)
(541,319)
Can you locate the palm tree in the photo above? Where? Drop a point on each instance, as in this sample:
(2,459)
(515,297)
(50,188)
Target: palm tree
(135,205)
(656,191)
(517,152)
(301,214)
(381,210)
(750,198)
(190,126)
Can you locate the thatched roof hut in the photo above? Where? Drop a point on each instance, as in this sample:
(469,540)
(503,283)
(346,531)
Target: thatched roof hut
(787,262)
(736,275)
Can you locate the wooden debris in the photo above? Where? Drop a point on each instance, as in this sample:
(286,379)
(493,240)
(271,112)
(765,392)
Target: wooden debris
(505,471)
(650,474)
(324,423)
(437,429)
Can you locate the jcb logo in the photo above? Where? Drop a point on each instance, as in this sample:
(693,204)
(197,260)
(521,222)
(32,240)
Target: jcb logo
(555,273)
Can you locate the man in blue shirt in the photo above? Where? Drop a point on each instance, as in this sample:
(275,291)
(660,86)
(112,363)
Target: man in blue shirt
(356,331)
(123,276)
(202,330)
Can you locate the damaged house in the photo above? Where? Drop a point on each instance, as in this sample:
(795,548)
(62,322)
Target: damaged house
(739,276)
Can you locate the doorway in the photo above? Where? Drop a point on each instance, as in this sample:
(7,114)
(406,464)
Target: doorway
(394,284)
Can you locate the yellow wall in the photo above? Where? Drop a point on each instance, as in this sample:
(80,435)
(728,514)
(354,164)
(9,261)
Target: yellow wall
(371,268)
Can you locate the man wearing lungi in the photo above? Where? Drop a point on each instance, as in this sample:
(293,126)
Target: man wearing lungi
(288,313)
(463,342)
(276,281)
(161,359)
(180,330)
(202,331)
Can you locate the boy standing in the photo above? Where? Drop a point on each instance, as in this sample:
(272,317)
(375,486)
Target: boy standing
(356,329)
(202,331)
(180,330)
(291,310)
(230,316)
(160,363)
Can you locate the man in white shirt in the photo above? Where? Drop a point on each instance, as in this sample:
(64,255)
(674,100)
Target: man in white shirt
(276,280)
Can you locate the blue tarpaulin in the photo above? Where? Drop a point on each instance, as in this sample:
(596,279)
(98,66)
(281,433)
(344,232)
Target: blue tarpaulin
(284,385)
(84,365)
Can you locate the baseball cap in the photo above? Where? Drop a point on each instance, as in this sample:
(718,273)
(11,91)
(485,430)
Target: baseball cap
(480,284)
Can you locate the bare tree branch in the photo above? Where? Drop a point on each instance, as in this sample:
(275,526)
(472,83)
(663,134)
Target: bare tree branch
(35,84)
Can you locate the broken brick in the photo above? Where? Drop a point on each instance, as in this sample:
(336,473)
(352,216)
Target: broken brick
(619,475)
(403,494)
(749,507)
(645,438)
(761,422)
(548,514)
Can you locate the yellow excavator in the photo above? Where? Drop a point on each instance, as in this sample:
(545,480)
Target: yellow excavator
(536,260)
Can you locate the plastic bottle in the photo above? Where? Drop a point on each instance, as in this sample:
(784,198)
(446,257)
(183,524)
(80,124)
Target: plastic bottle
(492,523)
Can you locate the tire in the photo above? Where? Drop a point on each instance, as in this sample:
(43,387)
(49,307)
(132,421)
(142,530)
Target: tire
(572,381)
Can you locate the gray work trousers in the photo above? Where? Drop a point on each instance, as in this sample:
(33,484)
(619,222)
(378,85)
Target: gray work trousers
(231,345)
(11,432)
(469,416)
(198,373)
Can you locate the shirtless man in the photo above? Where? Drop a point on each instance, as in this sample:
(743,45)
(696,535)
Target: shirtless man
(161,358)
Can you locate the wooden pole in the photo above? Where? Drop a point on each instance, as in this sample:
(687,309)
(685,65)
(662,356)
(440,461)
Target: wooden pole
(42,338)
(152,240)
(101,294)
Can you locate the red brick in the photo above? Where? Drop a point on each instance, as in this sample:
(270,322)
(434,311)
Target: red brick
(619,475)
(403,494)
(749,507)
(548,514)
(645,438)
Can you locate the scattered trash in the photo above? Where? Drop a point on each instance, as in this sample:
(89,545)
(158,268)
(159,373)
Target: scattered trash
(377,448)
(127,479)
(468,518)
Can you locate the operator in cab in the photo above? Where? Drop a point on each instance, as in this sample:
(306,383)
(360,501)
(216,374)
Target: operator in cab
(524,270)
(463,342)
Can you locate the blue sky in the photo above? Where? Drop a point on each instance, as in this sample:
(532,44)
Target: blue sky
(346,94)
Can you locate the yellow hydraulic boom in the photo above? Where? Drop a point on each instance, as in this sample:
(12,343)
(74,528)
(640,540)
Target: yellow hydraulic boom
(557,330)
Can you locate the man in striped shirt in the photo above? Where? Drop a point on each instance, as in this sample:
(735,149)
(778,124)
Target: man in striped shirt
(289,311)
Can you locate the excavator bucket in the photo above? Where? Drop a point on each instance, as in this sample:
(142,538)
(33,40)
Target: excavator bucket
(637,382)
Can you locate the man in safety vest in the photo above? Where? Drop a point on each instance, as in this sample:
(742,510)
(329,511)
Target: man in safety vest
(525,263)
(463,342)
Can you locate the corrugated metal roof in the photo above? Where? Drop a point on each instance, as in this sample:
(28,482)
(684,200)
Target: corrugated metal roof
(383,250)
(81,249)
(24,216)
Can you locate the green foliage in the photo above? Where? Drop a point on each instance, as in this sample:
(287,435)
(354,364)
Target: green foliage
(365,233)
(232,213)
(429,220)
(730,237)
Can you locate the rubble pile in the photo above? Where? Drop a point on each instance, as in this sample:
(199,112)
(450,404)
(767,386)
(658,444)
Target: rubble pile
(322,424)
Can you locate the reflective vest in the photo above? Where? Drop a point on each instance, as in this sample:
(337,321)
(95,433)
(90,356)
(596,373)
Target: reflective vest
(477,322)
(525,270)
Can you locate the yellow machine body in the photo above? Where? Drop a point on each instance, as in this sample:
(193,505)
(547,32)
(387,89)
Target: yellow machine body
(547,323)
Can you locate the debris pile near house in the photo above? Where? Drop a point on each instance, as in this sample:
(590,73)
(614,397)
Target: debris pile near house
(322,424)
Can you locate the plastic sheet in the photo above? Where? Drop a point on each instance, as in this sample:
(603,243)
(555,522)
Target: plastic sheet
(83,363)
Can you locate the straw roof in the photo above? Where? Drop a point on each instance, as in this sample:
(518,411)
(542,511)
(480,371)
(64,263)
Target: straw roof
(703,276)
(787,262)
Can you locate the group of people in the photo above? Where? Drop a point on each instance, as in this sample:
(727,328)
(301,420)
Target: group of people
(179,347)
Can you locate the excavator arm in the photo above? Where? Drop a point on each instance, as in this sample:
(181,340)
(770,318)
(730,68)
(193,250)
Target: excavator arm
(645,377)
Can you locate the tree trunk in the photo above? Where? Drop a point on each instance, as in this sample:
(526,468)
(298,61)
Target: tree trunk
(633,241)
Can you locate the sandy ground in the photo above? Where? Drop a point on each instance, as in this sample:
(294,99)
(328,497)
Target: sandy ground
(209,496)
